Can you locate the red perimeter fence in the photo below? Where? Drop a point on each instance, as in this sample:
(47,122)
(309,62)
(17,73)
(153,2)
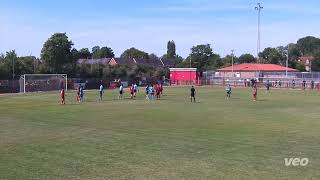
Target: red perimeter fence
(262,83)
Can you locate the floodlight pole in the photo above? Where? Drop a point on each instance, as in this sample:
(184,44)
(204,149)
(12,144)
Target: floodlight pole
(190,68)
(24,83)
(66,82)
(258,8)
(232,54)
(287,61)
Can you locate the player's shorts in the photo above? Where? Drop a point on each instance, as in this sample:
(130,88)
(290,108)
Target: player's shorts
(131,93)
(192,95)
(135,91)
(120,92)
(100,93)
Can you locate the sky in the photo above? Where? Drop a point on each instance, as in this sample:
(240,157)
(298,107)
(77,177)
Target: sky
(148,25)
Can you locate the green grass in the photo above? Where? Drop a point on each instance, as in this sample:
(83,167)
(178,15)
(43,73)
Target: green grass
(167,139)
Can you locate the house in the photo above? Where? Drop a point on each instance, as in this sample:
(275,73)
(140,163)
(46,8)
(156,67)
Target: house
(248,70)
(306,61)
(94,61)
(148,62)
(121,61)
(158,63)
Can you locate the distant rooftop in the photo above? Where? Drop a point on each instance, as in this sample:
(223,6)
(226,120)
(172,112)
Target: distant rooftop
(257,67)
(94,61)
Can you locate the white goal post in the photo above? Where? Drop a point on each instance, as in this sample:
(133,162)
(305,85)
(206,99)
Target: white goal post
(43,82)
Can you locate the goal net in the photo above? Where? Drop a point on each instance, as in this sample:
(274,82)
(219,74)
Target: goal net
(42,82)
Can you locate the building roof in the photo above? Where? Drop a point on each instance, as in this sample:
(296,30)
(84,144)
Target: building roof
(257,67)
(94,61)
(169,63)
(183,69)
(149,62)
(123,61)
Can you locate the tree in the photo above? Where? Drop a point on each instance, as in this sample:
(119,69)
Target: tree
(273,56)
(11,63)
(200,56)
(153,56)
(294,52)
(6,62)
(308,46)
(95,52)
(227,60)
(71,68)
(177,60)
(75,54)
(171,49)
(105,52)
(26,65)
(315,65)
(84,53)
(134,53)
(203,58)
(56,52)
(246,58)
(296,65)
(283,50)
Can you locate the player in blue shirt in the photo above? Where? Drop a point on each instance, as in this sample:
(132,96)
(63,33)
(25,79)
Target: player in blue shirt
(151,92)
(147,92)
(81,92)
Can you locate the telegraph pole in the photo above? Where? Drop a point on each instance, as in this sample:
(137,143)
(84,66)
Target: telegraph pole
(258,8)
(13,67)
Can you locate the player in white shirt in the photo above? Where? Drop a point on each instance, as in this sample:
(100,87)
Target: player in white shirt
(121,91)
(101,91)
(135,89)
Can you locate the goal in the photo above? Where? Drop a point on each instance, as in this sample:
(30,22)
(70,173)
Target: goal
(43,82)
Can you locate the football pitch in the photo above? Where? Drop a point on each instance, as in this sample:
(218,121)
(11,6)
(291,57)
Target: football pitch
(172,138)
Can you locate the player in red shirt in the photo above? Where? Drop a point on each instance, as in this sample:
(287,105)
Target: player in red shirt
(255,92)
(62,94)
(161,88)
(78,94)
(158,91)
(131,91)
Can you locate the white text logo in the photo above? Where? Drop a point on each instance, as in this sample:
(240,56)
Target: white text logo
(296,161)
